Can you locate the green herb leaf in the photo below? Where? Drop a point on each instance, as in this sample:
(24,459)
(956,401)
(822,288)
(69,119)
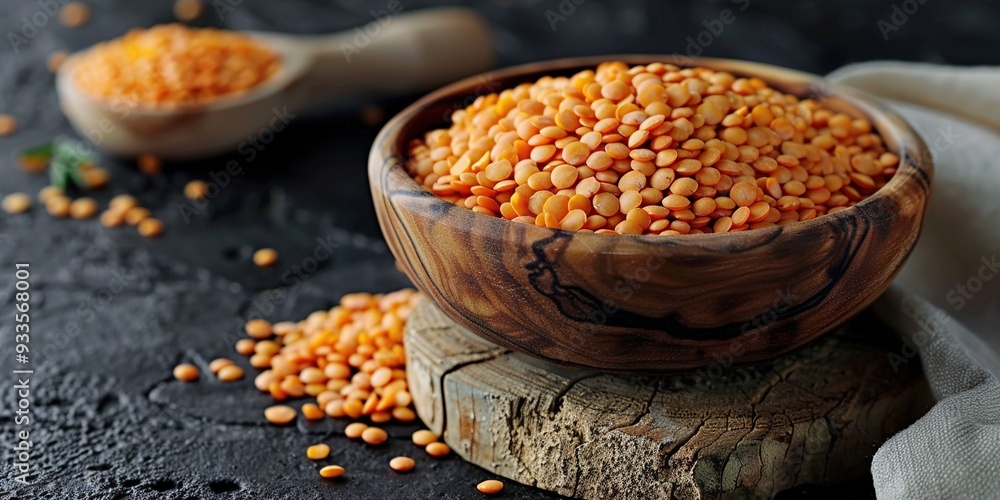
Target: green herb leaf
(68,156)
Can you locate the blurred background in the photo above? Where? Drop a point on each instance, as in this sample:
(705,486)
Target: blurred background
(816,36)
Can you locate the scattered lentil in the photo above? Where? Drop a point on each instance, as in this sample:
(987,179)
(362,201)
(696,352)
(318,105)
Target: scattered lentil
(74,14)
(355,430)
(259,329)
(48,192)
(374,435)
(135,215)
(230,373)
(218,363)
(186,372)
(196,190)
(16,203)
(149,164)
(123,202)
(437,449)
(112,218)
(151,228)
(490,487)
(402,464)
(403,414)
(188,10)
(331,471)
(312,412)
(263,381)
(58,206)
(245,346)
(651,149)
(8,125)
(350,358)
(95,177)
(279,414)
(83,208)
(318,451)
(265,257)
(424,437)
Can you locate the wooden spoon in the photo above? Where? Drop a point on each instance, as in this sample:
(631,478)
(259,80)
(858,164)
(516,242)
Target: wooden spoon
(398,54)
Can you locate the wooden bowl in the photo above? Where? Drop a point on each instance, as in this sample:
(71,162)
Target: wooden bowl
(648,303)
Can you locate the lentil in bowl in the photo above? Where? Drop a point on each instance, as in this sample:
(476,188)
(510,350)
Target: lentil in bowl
(651,149)
(643,303)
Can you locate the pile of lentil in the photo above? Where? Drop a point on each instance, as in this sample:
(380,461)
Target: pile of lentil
(350,358)
(174,65)
(651,149)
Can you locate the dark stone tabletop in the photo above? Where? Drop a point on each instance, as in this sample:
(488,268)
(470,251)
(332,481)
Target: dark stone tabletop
(112,313)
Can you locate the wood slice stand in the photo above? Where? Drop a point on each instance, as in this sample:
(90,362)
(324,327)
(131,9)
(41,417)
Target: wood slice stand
(814,416)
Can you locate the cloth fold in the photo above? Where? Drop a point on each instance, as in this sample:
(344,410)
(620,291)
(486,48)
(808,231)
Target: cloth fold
(946,300)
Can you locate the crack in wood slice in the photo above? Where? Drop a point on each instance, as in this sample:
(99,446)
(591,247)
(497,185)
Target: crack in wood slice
(816,415)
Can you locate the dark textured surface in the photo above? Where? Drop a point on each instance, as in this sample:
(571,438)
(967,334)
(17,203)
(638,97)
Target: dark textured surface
(109,420)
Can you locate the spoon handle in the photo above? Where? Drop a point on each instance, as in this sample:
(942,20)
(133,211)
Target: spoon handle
(397,53)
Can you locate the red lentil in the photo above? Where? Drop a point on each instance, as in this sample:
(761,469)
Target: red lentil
(16,203)
(402,464)
(149,164)
(218,363)
(259,329)
(374,435)
(355,430)
(696,150)
(318,451)
(58,206)
(437,449)
(424,437)
(245,346)
(331,471)
(312,412)
(188,10)
(150,227)
(122,202)
(172,65)
(350,358)
(83,208)
(490,487)
(74,14)
(265,257)
(112,218)
(196,190)
(230,373)
(8,125)
(95,177)
(135,215)
(280,414)
(186,372)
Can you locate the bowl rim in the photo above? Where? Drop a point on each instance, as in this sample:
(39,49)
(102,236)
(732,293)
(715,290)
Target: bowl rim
(387,156)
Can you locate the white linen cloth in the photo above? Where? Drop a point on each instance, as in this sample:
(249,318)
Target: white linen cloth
(946,300)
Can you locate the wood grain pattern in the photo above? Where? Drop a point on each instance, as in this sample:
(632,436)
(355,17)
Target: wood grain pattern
(815,416)
(641,303)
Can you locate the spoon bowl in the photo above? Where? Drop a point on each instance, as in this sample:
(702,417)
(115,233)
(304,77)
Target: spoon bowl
(648,303)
